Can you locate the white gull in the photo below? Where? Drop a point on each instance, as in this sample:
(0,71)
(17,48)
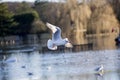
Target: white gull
(56,38)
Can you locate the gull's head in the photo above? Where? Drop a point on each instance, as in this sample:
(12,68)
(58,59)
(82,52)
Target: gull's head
(66,40)
(67,43)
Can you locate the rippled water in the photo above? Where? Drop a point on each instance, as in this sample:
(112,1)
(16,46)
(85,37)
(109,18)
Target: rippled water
(62,66)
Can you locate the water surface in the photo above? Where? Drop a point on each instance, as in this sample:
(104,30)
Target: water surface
(61,66)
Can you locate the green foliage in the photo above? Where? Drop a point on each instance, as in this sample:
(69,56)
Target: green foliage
(27,22)
(23,8)
(28,19)
(6,20)
(24,21)
(42,8)
(38,27)
(35,14)
(37,2)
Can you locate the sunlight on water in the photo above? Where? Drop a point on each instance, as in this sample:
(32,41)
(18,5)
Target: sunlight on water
(62,66)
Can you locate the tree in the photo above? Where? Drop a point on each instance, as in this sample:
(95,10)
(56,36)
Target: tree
(37,25)
(6,20)
(28,23)
(70,16)
(24,7)
(28,19)
(102,20)
(40,1)
(116,6)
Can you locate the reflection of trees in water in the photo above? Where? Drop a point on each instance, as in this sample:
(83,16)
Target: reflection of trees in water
(103,42)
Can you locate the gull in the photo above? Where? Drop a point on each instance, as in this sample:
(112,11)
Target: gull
(10,60)
(100,70)
(57,40)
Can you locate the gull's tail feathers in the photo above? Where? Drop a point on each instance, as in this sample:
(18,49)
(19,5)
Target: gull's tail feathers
(50,45)
(52,27)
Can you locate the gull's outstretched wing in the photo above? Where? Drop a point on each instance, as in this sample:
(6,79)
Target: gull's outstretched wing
(52,27)
(57,34)
(50,45)
(56,31)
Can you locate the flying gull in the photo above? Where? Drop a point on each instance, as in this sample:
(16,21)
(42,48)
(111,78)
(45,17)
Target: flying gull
(56,38)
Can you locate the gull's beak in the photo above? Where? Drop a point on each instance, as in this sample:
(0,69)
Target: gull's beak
(69,45)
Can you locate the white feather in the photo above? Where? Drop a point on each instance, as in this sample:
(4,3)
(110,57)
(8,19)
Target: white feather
(52,27)
(50,45)
(56,38)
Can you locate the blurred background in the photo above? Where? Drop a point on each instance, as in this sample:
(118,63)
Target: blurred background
(92,26)
(82,21)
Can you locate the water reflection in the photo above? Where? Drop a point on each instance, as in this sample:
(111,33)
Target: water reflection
(62,66)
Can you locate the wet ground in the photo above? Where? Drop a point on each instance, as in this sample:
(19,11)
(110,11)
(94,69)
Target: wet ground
(63,66)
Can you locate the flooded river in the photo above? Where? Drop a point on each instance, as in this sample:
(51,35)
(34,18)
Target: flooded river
(82,65)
